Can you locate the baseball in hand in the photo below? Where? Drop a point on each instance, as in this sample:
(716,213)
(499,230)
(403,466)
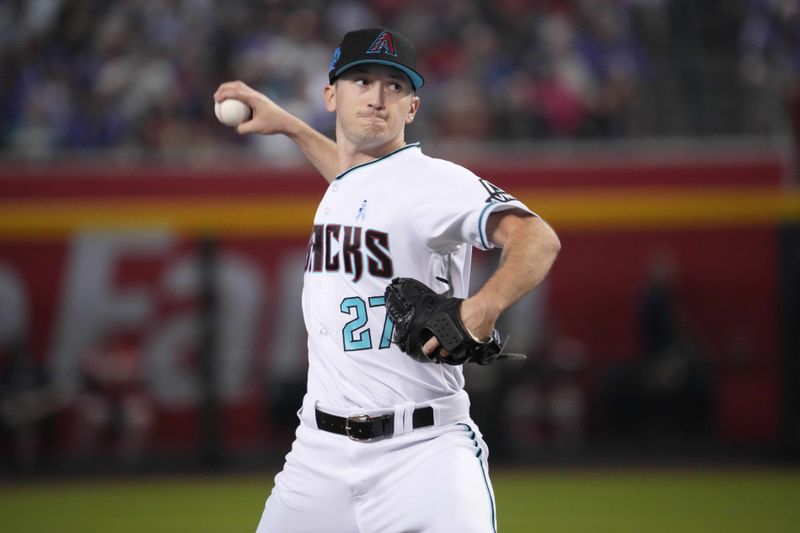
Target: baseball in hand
(232,112)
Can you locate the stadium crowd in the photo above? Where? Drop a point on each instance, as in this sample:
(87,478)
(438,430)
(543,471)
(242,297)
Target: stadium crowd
(136,77)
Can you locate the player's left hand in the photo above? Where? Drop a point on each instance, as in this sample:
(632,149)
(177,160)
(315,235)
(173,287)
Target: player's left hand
(419,313)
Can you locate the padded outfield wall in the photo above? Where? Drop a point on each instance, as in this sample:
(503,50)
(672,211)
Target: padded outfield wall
(98,258)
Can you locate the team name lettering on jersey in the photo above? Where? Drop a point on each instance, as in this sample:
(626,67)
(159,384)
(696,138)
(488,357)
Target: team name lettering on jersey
(333,247)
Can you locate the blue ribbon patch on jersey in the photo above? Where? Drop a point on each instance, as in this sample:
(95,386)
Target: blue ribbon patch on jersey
(362,211)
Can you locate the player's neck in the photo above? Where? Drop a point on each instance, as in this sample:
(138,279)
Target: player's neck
(351,155)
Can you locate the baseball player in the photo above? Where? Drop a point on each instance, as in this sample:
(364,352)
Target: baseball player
(385,441)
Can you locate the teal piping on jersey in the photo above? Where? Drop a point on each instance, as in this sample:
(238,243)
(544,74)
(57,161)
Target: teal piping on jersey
(390,154)
(483,471)
(482,227)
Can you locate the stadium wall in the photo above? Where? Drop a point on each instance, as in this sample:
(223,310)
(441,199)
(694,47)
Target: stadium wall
(103,259)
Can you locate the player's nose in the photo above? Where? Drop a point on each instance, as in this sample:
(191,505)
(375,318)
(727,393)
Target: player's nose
(375,96)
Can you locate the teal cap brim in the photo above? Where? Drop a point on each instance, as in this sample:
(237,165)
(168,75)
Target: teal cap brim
(416,79)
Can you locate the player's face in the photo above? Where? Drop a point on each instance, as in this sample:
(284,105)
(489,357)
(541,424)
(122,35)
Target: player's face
(373,104)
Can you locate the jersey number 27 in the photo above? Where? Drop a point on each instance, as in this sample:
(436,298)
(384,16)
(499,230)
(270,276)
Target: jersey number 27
(356,334)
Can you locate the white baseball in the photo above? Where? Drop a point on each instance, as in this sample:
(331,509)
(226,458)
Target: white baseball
(232,112)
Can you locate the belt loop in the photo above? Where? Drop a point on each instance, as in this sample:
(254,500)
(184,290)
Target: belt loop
(437,414)
(408,416)
(307,410)
(400,420)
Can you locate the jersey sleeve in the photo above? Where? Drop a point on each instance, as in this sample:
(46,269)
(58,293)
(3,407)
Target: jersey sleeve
(453,206)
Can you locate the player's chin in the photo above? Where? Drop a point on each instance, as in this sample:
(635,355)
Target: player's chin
(374,135)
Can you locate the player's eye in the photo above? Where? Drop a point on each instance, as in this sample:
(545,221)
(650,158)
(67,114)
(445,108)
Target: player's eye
(361,82)
(395,86)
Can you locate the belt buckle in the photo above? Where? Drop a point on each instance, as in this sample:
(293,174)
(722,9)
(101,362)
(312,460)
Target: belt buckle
(361,418)
(347,428)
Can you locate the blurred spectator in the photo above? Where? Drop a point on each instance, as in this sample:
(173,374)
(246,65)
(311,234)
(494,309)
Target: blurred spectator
(769,42)
(546,404)
(115,411)
(616,62)
(676,377)
(566,92)
(770,61)
(664,395)
(27,409)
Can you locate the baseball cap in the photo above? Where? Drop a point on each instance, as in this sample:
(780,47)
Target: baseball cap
(376,46)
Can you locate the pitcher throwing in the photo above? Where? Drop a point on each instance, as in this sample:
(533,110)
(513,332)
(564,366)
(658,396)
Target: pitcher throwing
(385,441)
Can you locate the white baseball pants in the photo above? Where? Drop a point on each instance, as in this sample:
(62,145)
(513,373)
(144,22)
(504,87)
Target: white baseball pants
(432,480)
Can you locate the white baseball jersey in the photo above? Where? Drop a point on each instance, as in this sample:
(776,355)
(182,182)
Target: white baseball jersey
(403,215)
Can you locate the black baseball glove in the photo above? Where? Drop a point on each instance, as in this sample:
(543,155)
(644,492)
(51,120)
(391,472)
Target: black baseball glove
(419,313)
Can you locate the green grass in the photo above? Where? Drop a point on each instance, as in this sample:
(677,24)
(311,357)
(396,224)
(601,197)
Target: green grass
(727,501)
(650,501)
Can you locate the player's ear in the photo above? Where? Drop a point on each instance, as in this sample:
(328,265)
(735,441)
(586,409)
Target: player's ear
(412,109)
(329,96)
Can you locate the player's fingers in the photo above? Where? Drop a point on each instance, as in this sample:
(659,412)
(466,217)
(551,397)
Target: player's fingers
(434,347)
(224,91)
(237,90)
(430,346)
(247,127)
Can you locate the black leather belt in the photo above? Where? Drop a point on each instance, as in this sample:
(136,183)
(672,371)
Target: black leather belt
(366,428)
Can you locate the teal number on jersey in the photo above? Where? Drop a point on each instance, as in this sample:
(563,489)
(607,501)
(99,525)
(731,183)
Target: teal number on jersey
(355,336)
(388,326)
(353,339)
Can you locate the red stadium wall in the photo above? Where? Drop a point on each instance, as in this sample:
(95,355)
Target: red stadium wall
(101,258)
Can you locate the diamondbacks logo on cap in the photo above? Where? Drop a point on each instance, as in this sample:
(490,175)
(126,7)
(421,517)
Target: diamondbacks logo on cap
(383,43)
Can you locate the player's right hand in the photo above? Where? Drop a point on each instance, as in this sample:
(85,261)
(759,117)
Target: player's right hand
(477,321)
(268,117)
